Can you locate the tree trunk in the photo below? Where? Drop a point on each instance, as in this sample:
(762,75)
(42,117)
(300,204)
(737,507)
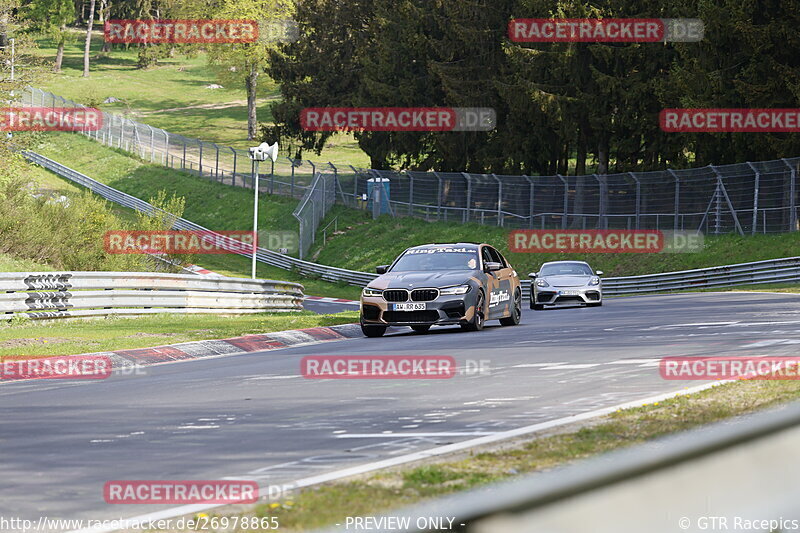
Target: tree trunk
(88,44)
(250,83)
(60,51)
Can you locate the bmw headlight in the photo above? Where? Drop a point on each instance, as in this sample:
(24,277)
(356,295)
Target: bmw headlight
(594,281)
(371,292)
(460,289)
(542,283)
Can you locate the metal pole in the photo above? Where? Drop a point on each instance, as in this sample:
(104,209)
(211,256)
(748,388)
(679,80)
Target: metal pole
(602,222)
(200,164)
(13,50)
(255,213)
(638,198)
(755,197)
(410,194)
(291,190)
(677,197)
(499,200)
(566,201)
(438,197)
(792,189)
(234,164)
(467,212)
(216,163)
(530,201)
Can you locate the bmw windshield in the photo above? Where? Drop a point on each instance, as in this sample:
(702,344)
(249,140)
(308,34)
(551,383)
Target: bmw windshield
(437,259)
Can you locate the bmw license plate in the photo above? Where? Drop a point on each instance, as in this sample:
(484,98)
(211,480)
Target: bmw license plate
(409,307)
(569,293)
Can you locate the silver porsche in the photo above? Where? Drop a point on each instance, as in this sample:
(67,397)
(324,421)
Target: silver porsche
(566,283)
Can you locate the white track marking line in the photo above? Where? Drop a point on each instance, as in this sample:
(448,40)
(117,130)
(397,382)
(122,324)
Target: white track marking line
(571,367)
(631,361)
(404,435)
(417,456)
(536,365)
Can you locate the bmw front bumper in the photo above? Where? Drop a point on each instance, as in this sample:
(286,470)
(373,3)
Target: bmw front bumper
(444,310)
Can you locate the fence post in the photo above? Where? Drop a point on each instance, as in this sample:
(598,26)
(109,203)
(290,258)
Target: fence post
(677,198)
(216,163)
(755,197)
(152,142)
(638,198)
(165,159)
(530,200)
(602,222)
(499,200)
(183,161)
(291,191)
(410,194)
(792,193)
(200,164)
(271,176)
(235,157)
(468,210)
(721,191)
(566,201)
(438,198)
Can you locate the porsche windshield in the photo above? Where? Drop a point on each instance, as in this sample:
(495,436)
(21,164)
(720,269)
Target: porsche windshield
(437,259)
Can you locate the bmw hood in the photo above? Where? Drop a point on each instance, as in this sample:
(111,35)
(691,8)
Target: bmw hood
(420,279)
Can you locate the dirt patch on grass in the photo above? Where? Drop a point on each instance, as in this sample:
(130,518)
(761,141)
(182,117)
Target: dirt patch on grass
(35,341)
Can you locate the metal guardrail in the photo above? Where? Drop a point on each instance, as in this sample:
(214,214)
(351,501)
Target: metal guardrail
(263,255)
(729,470)
(46,295)
(785,270)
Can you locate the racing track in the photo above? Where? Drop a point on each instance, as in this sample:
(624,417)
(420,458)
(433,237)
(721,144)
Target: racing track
(253,416)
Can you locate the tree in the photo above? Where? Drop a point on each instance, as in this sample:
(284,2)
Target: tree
(88,44)
(51,18)
(241,63)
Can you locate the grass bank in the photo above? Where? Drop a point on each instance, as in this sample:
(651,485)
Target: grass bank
(24,339)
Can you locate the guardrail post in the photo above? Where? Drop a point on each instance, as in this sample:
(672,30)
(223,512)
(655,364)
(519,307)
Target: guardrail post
(566,201)
(755,196)
(530,200)
(792,194)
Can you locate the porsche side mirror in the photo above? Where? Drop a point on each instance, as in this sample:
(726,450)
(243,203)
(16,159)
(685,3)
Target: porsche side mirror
(491,266)
(381,269)
(532,275)
(599,272)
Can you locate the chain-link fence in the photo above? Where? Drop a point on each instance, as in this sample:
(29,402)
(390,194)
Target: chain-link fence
(315,204)
(746,198)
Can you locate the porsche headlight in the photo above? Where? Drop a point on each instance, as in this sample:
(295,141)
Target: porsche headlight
(371,292)
(541,282)
(594,281)
(460,289)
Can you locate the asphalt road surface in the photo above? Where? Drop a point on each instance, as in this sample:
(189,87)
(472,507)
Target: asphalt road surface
(254,416)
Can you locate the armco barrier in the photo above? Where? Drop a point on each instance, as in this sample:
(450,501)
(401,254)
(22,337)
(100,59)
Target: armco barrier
(734,470)
(46,295)
(786,270)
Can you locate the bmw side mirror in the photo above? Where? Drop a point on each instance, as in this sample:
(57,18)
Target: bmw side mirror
(532,275)
(381,269)
(599,272)
(492,266)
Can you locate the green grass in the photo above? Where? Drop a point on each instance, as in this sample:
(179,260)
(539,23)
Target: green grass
(381,492)
(388,237)
(10,263)
(70,337)
(169,94)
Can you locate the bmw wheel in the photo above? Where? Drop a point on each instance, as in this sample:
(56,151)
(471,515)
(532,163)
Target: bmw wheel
(476,324)
(516,311)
